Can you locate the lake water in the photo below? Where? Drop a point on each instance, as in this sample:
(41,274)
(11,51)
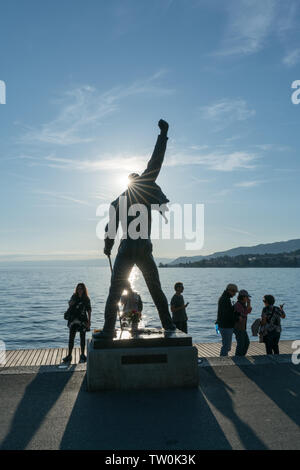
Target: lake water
(33,299)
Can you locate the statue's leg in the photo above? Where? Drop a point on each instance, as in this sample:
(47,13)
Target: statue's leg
(121,271)
(147,265)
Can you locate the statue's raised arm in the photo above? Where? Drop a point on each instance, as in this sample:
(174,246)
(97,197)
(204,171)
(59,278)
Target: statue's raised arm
(157,158)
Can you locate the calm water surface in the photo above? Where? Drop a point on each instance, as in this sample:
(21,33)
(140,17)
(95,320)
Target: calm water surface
(33,299)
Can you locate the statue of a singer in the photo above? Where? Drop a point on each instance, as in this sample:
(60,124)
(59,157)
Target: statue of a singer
(136,246)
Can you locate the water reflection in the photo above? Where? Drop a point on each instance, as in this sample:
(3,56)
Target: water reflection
(34,300)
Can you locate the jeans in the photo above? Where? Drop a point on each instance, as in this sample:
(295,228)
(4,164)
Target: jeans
(137,252)
(271,341)
(226,334)
(72,334)
(243,342)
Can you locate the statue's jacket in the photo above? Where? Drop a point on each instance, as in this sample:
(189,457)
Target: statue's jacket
(143,191)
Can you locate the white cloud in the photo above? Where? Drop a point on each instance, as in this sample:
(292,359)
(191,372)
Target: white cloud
(62,196)
(227,111)
(215,161)
(248,184)
(292,58)
(250,22)
(83,109)
(105,162)
(243,232)
(273,147)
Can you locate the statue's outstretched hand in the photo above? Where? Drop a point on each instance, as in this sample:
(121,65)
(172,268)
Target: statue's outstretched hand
(163,125)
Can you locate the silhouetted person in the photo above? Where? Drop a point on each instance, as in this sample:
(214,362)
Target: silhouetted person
(242,308)
(226,318)
(136,246)
(132,306)
(131,301)
(79,319)
(271,324)
(178,307)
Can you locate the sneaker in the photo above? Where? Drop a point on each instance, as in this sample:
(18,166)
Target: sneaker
(82,358)
(68,358)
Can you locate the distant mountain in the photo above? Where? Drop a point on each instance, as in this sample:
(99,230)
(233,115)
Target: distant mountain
(269,260)
(99,262)
(262,249)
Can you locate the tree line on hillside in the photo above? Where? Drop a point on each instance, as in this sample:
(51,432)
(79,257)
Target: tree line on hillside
(279,260)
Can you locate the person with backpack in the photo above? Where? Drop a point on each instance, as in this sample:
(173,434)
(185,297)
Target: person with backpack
(242,308)
(271,324)
(79,319)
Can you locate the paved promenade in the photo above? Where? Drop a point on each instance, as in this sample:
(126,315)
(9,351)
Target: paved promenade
(246,403)
(53,356)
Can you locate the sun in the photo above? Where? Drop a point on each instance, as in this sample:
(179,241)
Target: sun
(123,181)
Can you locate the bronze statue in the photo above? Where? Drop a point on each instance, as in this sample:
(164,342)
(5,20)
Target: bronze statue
(138,200)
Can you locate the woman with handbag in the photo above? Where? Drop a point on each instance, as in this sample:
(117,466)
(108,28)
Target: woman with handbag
(79,319)
(271,324)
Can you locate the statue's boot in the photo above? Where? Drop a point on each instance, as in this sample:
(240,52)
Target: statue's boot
(105,334)
(169,332)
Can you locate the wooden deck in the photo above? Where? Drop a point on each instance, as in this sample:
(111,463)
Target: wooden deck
(47,357)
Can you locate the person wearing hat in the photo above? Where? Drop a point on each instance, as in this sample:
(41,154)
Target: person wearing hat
(226,317)
(242,309)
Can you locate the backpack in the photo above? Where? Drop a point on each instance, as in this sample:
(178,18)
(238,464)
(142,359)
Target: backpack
(255,327)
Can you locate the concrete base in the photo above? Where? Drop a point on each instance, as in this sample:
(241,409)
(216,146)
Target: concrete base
(140,368)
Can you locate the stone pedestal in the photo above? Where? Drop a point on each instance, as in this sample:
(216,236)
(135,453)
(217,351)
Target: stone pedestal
(149,359)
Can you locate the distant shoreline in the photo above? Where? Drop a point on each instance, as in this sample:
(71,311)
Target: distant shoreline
(222,267)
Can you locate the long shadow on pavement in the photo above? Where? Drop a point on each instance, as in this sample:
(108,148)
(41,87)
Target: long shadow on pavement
(37,400)
(142,419)
(219,395)
(280,382)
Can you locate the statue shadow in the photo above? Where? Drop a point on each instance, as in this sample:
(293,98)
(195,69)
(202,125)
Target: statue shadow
(162,419)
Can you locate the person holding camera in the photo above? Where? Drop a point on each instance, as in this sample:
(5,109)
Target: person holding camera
(271,324)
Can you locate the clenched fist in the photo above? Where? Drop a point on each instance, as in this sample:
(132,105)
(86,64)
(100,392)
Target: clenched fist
(163,125)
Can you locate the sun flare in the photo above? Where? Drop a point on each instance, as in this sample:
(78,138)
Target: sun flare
(123,181)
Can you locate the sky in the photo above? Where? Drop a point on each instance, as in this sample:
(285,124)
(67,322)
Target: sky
(87,82)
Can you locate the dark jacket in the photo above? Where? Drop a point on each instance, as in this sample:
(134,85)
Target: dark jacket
(179,315)
(226,314)
(144,191)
